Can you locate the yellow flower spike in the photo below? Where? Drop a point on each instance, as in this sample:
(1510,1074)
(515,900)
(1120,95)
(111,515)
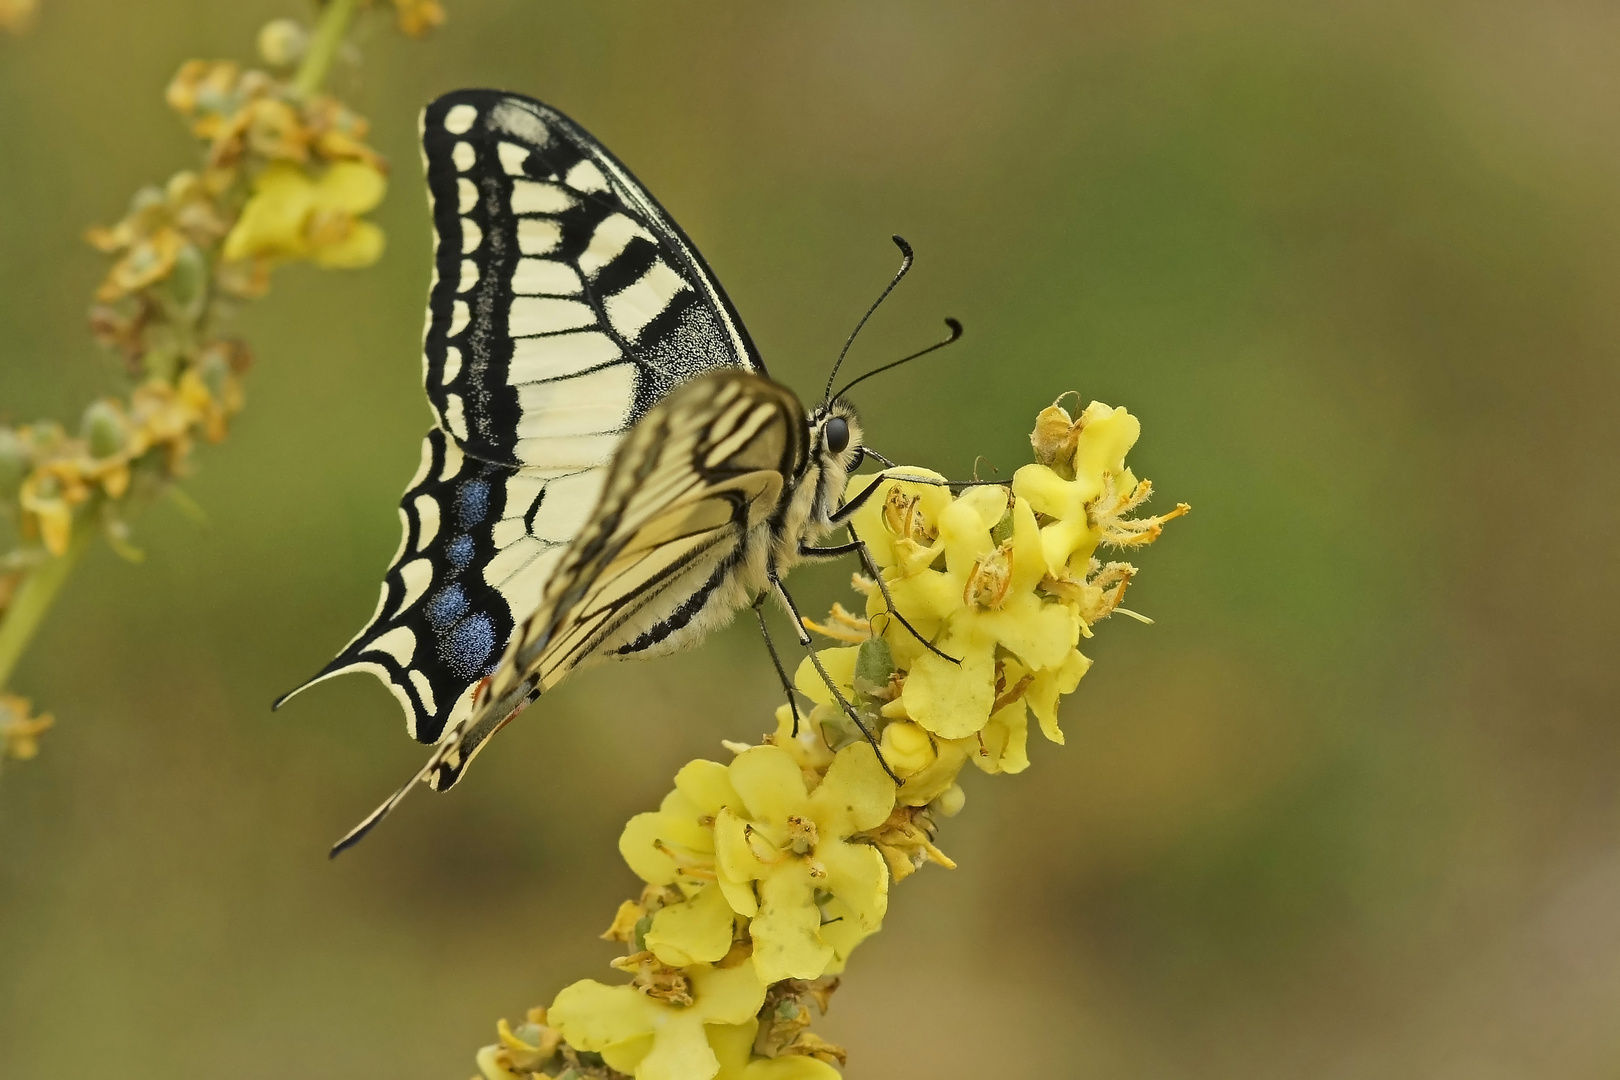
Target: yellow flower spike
(652,1040)
(733,1046)
(794,843)
(955,700)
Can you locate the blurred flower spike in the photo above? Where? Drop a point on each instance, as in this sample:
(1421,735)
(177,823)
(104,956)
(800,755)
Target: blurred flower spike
(284,174)
(763,874)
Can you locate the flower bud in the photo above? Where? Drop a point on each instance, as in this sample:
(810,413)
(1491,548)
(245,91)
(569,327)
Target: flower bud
(104,429)
(188,283)
(950,801)
(283,42)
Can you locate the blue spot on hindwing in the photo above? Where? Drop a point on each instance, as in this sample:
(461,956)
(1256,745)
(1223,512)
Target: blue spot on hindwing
(446,606)
(472,503)
(460,552)
(468,646)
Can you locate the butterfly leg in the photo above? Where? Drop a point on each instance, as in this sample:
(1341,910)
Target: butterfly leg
(776,660)
(858,546)
(838,695)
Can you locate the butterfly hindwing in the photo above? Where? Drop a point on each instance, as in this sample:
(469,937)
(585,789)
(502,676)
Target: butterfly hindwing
(708,465)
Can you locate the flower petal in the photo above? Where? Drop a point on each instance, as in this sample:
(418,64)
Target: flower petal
(769,783)
(694,931)
(787,942)
(855,795)
(952,700)
(594,1016)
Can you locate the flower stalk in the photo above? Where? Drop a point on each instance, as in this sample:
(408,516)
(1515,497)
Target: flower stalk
(284,175)
(761,875)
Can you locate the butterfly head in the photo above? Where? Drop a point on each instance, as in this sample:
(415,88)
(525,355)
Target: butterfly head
(836,451)
(836,444)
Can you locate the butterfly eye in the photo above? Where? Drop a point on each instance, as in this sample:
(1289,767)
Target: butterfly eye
(838,434)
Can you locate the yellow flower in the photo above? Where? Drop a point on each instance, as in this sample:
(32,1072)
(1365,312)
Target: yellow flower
(292,216)
(674,846)
(984,598)
(795,844)
(652,1039)
(1103,438)
(733,1046)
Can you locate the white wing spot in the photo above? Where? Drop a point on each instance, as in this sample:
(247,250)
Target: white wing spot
(536,359)
(530,315)
(460,119)
(514,119)
(590,404)
(610,238)
(509,531)
(455,417)
(399,643)
(632,308)
(469,275)
(463,156)
(537,236)
(460,316)
(586,177)
(471,235)
(512,158)
(427,518)
(417,576)
(420,681)
(466,195)
(536,197)
(452,367)
(546,277)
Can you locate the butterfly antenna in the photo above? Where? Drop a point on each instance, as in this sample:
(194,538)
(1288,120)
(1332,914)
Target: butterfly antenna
(906,260)
(956,335)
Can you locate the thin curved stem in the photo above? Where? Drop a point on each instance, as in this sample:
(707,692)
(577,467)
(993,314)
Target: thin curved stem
(329,30)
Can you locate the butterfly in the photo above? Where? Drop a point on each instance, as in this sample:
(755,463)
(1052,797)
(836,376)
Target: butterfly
(611,473)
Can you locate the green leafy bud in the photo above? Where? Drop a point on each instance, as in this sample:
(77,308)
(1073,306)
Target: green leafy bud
(873,666)
(104,428)
(188,283)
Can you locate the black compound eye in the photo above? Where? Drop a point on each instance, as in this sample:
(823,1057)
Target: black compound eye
(838,434)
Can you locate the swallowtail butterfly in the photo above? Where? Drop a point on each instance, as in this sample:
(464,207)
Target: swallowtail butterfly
(611,472)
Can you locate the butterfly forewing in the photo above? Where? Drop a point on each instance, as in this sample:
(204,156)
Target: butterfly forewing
(565,304)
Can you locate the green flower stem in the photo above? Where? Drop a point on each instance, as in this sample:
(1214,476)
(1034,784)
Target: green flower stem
(323,47)
(34,598)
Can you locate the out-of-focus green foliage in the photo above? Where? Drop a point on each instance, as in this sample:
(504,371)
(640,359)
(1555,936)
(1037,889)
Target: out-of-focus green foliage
(1348,808)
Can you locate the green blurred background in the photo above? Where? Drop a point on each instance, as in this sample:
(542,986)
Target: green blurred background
(1347,810)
